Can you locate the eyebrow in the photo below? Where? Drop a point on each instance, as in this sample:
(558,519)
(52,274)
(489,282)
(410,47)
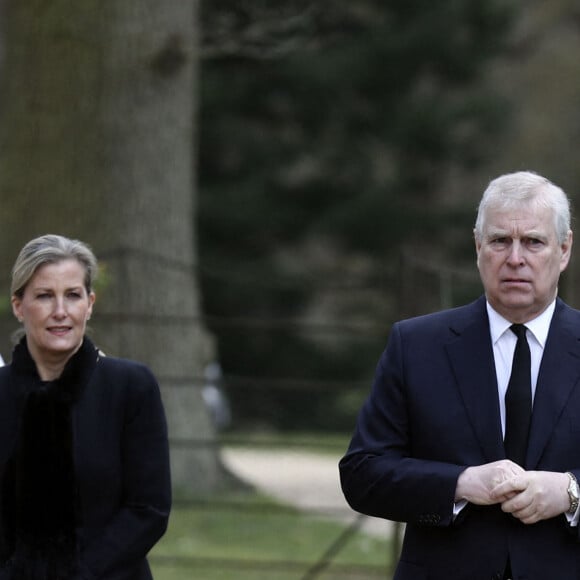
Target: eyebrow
(50,289)
(507,234)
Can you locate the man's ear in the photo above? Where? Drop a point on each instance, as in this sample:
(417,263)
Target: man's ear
(566,248)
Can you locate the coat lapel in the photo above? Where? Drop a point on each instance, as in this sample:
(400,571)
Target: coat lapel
(471,355)
(558,377)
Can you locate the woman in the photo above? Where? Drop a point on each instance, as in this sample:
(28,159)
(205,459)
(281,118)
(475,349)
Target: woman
(84,463)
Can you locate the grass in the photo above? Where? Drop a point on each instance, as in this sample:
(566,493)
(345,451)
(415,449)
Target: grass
(332,443)
(243,535)
(249,537)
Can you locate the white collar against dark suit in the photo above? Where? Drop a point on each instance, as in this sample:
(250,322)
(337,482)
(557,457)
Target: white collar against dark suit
(504,344)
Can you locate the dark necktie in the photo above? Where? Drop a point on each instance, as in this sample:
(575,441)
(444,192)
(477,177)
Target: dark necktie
(518,400)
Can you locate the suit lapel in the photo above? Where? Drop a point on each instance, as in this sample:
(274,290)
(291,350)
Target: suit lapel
(558,377)
(471,357)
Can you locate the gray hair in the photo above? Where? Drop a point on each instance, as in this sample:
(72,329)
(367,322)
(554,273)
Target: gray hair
(521,188)
(51,249)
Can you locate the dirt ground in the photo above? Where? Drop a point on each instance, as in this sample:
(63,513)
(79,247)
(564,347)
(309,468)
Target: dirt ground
(308,481)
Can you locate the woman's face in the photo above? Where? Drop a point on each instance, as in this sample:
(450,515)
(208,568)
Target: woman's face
(54,310)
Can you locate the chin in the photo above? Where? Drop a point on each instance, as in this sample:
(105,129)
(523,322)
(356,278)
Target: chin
(63,347)
(518,307)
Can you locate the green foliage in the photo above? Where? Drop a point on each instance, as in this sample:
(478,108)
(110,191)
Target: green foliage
(343,140)
(5,305)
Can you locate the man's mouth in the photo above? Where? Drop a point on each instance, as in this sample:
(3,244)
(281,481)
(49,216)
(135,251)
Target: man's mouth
(515,281)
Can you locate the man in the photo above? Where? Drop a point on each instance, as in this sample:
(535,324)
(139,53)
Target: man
(481,461)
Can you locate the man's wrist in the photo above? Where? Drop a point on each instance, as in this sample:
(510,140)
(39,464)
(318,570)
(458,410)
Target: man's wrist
(460,487)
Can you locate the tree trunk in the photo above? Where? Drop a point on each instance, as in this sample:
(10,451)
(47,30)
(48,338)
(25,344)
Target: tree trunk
(97,124)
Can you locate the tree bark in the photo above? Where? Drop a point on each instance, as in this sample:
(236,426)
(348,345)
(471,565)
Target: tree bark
(97,142)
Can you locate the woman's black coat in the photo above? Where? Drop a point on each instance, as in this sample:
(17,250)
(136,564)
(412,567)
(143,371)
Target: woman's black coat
(121,459)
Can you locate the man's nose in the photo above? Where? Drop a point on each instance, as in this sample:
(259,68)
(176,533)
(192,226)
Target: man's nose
(516,253)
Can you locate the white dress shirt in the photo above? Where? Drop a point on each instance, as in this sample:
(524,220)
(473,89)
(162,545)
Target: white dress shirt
(504,341)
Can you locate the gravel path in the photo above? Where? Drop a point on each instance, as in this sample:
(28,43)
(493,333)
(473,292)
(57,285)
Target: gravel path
(306,480)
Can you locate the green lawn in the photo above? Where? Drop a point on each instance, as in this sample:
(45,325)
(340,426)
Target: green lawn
(334,443)
(252,538)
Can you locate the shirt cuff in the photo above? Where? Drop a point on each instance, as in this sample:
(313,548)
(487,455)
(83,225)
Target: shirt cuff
(572,518)
(458,506)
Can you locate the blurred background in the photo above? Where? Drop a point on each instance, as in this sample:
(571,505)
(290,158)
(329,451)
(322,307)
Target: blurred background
(268,187)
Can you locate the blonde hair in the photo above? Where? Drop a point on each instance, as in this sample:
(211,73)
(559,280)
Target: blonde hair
(50,249)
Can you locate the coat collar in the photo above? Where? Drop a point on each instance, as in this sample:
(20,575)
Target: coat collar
(471,356)
(68,386)
(558,377)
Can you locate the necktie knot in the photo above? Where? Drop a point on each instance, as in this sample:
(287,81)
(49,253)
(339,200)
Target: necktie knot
(519,330)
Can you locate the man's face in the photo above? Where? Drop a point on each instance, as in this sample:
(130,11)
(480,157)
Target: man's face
(520,260)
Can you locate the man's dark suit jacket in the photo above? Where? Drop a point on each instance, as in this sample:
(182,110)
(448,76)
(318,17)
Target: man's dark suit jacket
(122,466)
(432,412)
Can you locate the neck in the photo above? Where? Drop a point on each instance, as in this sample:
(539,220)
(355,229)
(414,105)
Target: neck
(49,372)
(50,365)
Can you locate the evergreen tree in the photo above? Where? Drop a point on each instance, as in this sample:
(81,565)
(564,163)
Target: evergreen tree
(329,128)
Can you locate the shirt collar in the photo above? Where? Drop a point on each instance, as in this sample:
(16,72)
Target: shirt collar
(539,326)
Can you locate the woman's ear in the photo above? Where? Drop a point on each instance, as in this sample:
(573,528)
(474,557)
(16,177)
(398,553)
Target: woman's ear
(17,308)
